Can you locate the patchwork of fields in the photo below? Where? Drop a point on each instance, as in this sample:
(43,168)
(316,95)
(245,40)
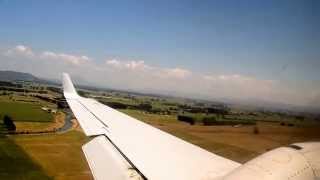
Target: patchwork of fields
(59,156)
(238,143)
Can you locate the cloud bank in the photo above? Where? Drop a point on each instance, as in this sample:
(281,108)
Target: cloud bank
(138,75)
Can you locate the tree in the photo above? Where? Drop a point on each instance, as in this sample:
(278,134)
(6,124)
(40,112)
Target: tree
(209,121)
(187,119)
(145,107)
(7,121)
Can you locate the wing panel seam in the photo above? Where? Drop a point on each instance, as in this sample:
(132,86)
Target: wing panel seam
(126,158)
(92,113)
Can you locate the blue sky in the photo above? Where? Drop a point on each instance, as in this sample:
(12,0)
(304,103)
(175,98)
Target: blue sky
(269,40)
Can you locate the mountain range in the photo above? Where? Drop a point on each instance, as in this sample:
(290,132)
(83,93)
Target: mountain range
(17,76)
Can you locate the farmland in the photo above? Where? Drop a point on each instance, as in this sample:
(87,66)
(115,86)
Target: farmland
(235,134)
(23,111)
(43,157)
(16,163)
(237,143)
(46,156)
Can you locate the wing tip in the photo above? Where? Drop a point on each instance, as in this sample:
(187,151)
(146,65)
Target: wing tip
(67,84)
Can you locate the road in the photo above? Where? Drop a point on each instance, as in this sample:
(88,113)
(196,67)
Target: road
(67,122)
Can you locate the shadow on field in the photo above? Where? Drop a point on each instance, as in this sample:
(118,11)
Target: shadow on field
(16,164)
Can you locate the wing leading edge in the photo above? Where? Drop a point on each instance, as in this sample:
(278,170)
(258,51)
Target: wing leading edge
(152,153)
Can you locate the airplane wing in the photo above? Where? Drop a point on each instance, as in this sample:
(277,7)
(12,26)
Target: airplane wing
(125,148)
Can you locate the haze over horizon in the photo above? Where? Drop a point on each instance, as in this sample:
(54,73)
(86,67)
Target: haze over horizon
(266,51)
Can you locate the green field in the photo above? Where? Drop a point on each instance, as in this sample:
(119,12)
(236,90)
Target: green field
(46,156)
(24,111)
(150,118)
(59,156)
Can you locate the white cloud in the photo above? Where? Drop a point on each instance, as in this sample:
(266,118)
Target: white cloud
(20,50)
(241,86)
(138,75)
(72,59)
(176,73)
(141,66)
(238,79)
(136,65)
(23,51)
(114,63)
(128,65)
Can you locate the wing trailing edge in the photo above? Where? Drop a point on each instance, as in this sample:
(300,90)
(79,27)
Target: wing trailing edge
(106,161)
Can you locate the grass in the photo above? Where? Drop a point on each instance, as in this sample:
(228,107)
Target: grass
(240,144)
(199,135)
(237,143)
(57,156)
(46,156)
(150,118)
(120,100)
(24,112)
(41,126)
(16,163)
(32,126)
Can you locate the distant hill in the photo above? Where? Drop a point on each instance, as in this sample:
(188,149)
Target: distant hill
(17,76)
(248,104)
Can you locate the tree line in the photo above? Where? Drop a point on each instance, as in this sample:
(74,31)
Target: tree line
(8,123)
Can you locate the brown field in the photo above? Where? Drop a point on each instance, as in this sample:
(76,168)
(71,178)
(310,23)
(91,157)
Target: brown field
(240,143)
(59,156)
(237,143)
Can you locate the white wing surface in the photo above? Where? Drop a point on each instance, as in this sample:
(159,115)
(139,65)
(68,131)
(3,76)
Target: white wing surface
(126,148)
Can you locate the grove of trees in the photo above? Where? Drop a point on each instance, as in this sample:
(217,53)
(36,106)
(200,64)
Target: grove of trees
(8,122)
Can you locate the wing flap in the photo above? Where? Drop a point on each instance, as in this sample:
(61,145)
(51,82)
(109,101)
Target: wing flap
(106,162)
